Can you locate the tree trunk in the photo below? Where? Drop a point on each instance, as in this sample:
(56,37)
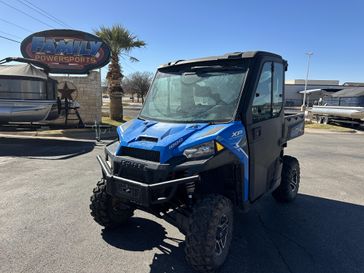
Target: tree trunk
(116,108)
(114,89)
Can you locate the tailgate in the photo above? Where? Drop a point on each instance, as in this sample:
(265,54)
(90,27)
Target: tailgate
(294,126)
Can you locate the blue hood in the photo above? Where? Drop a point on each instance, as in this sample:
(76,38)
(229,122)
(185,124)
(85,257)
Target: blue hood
(170,139)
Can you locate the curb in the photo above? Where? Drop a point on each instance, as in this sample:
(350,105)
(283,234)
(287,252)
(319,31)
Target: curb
(88,135)
(132,108)
(46,137)
(325,131)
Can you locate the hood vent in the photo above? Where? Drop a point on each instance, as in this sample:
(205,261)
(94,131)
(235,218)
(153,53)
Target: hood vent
(147,138)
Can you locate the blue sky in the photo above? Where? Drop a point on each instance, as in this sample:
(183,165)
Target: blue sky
(333,30)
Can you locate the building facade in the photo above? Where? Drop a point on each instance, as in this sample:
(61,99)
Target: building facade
(293,97)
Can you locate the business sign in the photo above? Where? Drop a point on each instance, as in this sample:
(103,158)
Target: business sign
(66,51)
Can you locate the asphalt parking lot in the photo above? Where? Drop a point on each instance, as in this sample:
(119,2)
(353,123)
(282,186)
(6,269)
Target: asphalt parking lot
(45,224)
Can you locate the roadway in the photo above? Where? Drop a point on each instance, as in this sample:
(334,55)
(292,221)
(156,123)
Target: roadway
(46,226)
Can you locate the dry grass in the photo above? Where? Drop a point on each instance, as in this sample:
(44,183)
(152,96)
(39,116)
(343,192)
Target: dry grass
(109,121)
(329,127)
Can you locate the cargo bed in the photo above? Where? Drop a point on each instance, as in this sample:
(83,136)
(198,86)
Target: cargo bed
(294,126)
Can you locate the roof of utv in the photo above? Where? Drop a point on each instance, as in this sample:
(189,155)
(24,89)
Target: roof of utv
(227,56)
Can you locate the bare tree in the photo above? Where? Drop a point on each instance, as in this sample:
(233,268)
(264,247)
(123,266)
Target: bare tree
(139,83)
(128,88)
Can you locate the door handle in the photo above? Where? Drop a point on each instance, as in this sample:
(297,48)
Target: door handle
(257,132)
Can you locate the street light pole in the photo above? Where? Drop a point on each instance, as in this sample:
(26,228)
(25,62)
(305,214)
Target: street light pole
(309,54)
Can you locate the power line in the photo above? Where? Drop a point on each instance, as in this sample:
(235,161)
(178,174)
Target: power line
(42,12)
(126,64)
(129,66)
(19,10)
(9,39)
(45,12)
(9,34)
(11,23)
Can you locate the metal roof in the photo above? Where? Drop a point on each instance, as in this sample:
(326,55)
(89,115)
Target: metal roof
(320,90)
(349,92)
(310,91)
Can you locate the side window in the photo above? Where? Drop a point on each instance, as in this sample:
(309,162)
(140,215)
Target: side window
(277,89)
(262,103)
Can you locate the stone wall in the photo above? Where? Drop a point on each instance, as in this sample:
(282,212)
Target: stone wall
(89,95)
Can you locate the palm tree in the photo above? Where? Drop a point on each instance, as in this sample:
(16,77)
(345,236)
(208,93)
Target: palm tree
(121,42)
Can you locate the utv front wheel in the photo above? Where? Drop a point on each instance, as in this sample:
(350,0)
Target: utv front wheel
(288,189)
(107,210)
(209,233)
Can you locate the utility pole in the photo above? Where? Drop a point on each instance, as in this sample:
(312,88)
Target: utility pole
(309,54)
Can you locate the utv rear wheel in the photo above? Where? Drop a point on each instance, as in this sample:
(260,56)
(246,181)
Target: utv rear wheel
(209,233)
(288,189)
(107,210)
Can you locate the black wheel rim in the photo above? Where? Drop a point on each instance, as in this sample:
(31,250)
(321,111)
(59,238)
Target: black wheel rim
(294,181)
(222,235)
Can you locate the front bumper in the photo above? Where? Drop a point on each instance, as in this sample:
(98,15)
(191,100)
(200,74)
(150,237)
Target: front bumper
(140,193)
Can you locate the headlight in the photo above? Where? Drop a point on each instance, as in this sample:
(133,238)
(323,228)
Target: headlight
(202,150)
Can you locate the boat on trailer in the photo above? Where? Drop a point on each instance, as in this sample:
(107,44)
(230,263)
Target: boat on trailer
(345,106)
(27,93)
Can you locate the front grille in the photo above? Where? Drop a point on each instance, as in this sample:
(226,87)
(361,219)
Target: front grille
(134,174)
(139,172)
(141,154)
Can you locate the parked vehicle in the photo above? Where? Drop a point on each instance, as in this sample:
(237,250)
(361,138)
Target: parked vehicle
(345,106)
(210,137)
(27,93)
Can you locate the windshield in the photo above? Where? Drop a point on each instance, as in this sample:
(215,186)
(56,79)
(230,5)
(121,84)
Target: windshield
(194,96)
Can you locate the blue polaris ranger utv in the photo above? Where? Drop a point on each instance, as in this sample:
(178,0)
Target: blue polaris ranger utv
(210,137)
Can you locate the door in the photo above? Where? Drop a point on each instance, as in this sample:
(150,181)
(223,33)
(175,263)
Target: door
(265,130)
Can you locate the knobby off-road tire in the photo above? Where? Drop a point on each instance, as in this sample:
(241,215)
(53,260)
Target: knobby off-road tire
(106,210)
(288,189)
(209,233)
